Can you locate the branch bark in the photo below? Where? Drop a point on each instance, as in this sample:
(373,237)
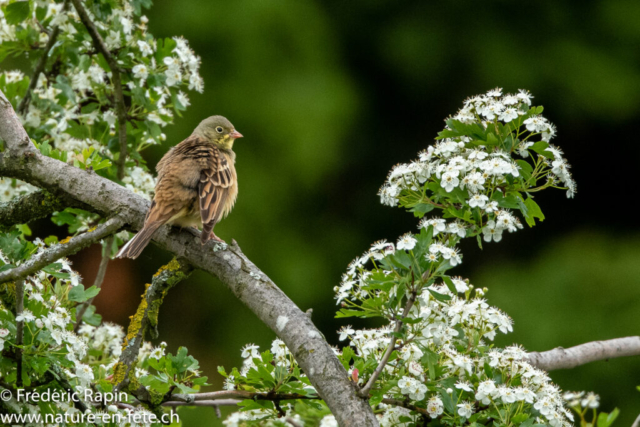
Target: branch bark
(146,318)
(50,255)
(28,208)
(115,77)
(567,358)
(247,282)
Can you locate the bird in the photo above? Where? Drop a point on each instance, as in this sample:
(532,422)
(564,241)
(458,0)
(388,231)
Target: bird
(197,184)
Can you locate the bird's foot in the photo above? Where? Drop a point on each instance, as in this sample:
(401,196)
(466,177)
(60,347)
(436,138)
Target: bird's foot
(213,236)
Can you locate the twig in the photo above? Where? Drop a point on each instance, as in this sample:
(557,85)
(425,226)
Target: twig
(19,329)
(115,77)
(30,207)
(215,403)
(42,62)
(636,423)
(561,358)
(102,271)
(238,394)
(246,281)
(146,317)
(364,391)
(293,422)
(50,255)
(403,404)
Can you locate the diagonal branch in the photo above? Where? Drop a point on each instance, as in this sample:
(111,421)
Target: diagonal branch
(102,271)
(253,287)
(115,77)
(50,255)
(42,62)
(146,317)
(567,358)
(364,392)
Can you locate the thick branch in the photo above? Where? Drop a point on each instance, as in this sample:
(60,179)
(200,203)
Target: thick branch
(115,77)
(146,318)
(567,358)
(229,264)
(28,208)
(56,252)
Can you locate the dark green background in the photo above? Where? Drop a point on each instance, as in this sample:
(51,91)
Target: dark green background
(330,95)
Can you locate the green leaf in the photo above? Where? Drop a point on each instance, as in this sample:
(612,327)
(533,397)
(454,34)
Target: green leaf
(540,147)
(492,140)
(421,209)
(439,296)
(430,359)
(90,316)
(450,285)
(525,169)
(605,420)
(182,361)
(17,12)
(533,211)
(79,294)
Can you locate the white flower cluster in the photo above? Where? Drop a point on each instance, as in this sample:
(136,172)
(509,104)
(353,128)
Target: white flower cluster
(11,188)
(79,97)
(577,399)
(356,276)
(473,174)
(443,327)
(140,182)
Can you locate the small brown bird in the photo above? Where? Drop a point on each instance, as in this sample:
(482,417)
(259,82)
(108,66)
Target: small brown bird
(197,184)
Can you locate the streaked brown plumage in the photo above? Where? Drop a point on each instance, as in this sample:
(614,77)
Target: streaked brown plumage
(197,184)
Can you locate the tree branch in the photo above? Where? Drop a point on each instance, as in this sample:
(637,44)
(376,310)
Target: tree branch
(364,392)
(50,255)
(242,395)
(146,317)
(102,271)
(214,403)
(42,62)
(115,77)
(228,263)
(403,404)
(19,330)
(561,358)
(28,208)
(636,423)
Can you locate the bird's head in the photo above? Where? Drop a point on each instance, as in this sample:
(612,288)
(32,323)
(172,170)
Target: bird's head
(219,131)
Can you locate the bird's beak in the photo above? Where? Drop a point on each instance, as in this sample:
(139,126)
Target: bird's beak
(235,134)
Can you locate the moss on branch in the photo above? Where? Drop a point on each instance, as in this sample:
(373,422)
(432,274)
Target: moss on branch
(145,320)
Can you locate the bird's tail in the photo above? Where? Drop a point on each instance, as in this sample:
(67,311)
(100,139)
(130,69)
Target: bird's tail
(135,246)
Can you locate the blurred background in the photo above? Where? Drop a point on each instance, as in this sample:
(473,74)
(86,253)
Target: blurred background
(331,94)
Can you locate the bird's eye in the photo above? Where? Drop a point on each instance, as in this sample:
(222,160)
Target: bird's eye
(219,129)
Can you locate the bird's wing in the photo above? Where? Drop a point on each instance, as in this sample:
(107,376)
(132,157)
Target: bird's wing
(215,181)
